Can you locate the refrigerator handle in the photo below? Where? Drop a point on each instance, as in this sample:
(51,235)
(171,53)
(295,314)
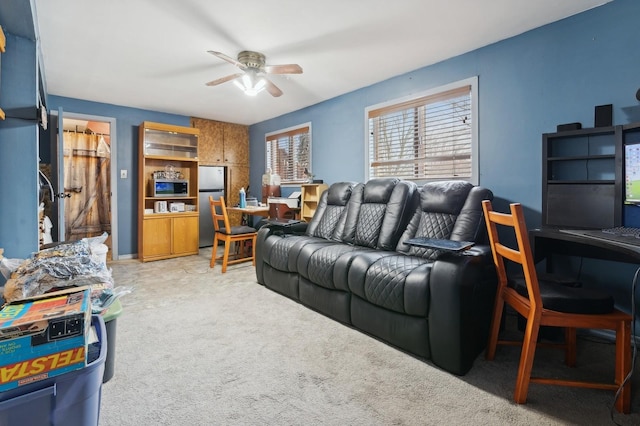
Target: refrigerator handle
(229,186)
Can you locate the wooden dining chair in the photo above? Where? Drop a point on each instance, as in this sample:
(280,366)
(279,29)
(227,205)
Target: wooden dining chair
(545,303)
(243,235)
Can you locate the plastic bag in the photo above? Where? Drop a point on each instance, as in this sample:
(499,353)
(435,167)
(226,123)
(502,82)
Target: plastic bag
(7,266)
(107,298)
(65,265)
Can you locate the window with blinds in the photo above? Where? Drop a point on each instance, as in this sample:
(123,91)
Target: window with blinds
(288,153)
(430,137)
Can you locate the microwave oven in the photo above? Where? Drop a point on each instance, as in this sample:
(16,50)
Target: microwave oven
(170,188)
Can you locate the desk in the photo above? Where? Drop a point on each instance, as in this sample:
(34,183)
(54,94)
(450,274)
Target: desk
(547,241)
(261,210)
(251,210)
(258,211)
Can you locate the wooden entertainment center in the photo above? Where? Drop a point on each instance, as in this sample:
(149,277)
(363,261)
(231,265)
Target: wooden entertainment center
(167,222)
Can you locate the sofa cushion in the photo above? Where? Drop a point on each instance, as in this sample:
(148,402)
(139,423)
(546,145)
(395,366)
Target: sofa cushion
(396,282)
(317,263)
(330,216)
(378,211)
(281,252)
(446,210)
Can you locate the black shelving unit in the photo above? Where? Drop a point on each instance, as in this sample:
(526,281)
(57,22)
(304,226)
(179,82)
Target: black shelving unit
(582,178)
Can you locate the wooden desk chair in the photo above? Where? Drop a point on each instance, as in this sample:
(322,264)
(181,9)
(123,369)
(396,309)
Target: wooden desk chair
(281,211)
(229,234)
(550,304)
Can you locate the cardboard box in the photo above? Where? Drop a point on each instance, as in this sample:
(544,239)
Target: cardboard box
(44,336)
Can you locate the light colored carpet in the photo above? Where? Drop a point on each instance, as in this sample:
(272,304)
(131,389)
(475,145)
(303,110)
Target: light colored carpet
(198,347)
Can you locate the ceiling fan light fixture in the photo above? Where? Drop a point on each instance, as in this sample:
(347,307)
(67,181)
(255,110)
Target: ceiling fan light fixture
(247,81)
(254,91)
(238,85)
(260,84)
(253,80)
(251,84)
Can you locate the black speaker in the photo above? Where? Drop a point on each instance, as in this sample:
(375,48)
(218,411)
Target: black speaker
(568,126)
(604,116)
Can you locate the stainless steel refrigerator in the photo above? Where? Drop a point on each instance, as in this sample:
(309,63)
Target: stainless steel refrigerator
(210,183)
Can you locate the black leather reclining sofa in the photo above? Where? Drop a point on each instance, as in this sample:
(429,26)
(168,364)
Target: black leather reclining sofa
(351,263)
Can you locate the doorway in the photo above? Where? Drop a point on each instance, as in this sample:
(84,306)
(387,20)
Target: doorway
(86,181)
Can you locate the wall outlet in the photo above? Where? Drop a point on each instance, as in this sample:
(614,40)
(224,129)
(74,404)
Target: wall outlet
(123,174)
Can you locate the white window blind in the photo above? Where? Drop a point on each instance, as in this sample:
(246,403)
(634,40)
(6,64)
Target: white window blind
(288,153)
(426,138)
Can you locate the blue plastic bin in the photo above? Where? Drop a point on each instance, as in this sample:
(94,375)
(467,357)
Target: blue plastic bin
(71,399)
(110,319)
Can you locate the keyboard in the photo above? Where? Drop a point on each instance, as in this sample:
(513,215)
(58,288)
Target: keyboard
(620,234)
(623,231)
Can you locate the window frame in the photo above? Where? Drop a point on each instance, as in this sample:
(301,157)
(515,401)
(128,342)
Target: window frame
(472,82)
(291,129)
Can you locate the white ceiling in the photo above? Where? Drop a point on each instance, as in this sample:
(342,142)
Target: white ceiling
(152,54)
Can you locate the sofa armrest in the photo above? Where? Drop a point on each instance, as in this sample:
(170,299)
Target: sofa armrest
(263,234)
(483,251)
(261,243)
(462,289)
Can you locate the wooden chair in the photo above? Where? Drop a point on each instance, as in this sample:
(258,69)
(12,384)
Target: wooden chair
(280,211)
(229,234)
(547,304)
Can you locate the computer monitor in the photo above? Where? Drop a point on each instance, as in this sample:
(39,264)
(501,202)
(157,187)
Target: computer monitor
(632,173)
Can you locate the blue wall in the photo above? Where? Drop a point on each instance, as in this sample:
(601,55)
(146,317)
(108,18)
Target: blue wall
(527,85)
(127,122)
(19,149)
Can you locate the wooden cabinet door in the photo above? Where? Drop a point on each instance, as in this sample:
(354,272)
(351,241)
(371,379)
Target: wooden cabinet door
(221,143)
(211,143)
(156,240)
(185,235)
(237,177)
(236,144)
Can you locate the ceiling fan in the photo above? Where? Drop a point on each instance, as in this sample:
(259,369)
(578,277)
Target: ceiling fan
(252,80)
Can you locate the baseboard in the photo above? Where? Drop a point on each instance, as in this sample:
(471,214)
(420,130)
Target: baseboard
(127,257)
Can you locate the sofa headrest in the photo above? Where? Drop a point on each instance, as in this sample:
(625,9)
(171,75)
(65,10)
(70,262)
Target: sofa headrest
(339,193)
(379,190)
(444,197)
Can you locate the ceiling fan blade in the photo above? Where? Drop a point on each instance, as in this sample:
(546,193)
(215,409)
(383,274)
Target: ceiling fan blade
(272,88)
(283,69)
(228,59)
(224,79)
